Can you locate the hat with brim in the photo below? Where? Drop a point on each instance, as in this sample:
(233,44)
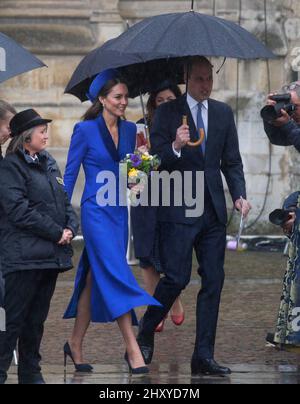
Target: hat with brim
(26,120)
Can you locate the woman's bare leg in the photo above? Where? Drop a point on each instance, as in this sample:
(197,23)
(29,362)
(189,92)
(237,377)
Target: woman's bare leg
(82,321)
(177,308)
(151,279)
(132,348)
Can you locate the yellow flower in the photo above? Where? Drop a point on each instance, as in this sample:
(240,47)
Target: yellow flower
(133,173)
(145,157)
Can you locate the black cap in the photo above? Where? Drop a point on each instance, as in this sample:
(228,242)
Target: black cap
(26,120)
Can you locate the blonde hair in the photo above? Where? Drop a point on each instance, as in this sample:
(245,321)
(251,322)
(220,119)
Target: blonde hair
(18,142)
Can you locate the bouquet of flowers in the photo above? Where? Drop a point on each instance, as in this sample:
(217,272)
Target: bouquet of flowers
(140,164)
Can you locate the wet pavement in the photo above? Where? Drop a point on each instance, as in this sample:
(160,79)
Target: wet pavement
(248,311)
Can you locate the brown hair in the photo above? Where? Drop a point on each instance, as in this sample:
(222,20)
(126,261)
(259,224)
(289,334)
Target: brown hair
(5,107)
(194,60)
(151,103)
(97,108)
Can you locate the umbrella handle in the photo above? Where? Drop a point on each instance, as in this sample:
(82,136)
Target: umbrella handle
(201,132)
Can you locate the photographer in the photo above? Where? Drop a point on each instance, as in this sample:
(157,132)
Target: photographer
(282,125)
(282,117)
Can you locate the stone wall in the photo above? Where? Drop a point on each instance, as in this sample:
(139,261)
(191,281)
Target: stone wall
(62,32)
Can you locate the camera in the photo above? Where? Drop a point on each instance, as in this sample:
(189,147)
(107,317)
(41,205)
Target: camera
(280,216)
(271,112)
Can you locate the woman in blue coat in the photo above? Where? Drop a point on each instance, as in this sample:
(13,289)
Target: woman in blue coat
(105,288)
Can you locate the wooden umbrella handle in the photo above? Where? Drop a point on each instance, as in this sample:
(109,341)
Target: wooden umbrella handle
(201,133)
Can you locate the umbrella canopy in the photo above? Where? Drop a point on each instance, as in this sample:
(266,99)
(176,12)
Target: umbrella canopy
(190,34)
(92,64)
(156,49)
(14,59)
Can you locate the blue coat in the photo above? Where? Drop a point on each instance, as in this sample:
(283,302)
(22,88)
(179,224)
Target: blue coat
(115,291)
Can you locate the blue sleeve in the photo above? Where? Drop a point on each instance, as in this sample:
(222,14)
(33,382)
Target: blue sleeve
(78,149)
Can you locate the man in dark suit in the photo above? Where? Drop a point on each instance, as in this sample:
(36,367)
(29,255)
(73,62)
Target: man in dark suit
(207,233)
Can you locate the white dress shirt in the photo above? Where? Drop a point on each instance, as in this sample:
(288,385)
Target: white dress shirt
(193,105)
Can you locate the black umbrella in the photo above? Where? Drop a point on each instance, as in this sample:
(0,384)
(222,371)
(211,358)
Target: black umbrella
(14,59)
(157,47)
(189,34)
(102,58)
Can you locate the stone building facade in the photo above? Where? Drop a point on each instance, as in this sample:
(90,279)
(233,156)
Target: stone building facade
(61,32)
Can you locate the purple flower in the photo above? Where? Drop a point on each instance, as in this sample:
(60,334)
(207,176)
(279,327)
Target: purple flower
(135,160)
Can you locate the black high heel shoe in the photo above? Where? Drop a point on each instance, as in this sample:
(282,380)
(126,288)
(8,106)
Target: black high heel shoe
(143,370)
(83,367)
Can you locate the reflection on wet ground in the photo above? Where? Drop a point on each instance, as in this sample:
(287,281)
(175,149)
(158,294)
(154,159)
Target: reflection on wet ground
(249,308)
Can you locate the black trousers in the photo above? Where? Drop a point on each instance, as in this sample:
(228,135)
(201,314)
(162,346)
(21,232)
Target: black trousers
(27,301)
(208,238)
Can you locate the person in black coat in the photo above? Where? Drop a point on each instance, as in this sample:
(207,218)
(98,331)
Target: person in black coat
(7,112)
(37,228)
(145,226)
(183,230)
(285,130)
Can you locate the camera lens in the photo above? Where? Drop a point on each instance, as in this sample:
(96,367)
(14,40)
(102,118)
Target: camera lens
(290,108)
(269,113)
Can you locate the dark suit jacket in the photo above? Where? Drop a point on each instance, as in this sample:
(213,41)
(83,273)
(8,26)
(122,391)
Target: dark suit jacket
(222,154)
(286,135)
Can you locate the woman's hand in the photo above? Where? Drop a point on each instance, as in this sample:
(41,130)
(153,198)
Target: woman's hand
(289,224)
(137,189)
(143,149)
(141,140)
(66,238)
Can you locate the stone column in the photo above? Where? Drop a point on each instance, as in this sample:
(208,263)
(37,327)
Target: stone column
(60,33)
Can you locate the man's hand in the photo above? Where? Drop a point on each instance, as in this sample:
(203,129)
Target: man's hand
(288,225)
(182,137)
(243,206)
(284,119)
(66,238)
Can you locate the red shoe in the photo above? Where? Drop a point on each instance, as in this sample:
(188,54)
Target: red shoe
(177,319)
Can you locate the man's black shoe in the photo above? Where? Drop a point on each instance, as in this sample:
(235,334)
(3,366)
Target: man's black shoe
(146,345)
(32,379)
(208,367)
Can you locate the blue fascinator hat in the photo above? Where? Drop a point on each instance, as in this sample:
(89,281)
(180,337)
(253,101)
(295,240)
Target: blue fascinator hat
(99,82)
